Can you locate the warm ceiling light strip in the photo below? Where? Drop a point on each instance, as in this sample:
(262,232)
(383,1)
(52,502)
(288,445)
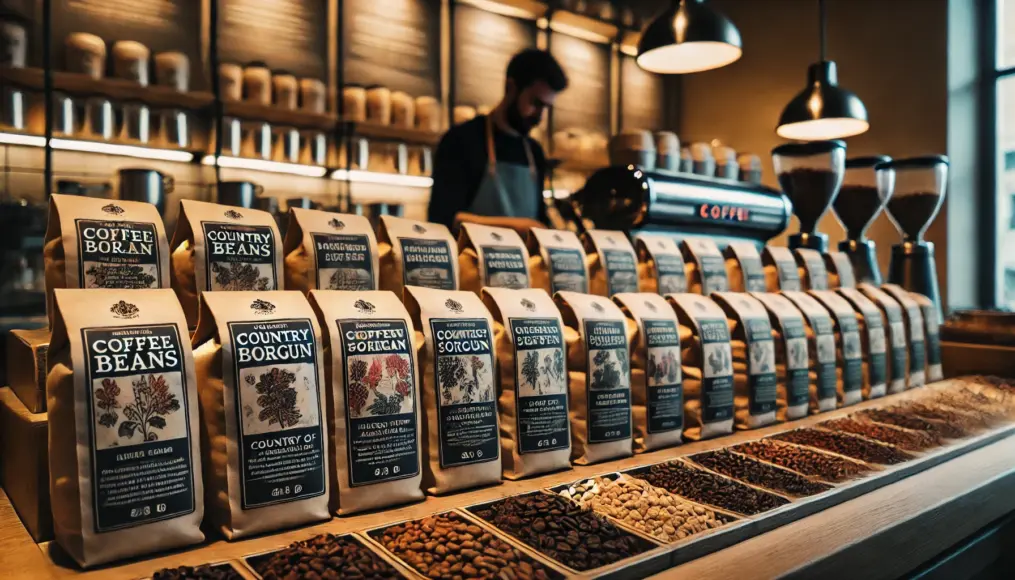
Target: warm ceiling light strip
(267,166)
(394,179)
(121,150)
(21,139)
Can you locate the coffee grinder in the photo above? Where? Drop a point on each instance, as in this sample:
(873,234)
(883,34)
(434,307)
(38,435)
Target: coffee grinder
(920,184)
(866,187)
(810,175)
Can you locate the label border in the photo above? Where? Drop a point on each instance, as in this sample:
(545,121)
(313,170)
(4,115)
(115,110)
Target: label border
(588,385)
(207,255)
(317,265)
(567,389)
(81,261)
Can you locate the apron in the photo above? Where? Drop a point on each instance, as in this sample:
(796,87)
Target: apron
(507,189)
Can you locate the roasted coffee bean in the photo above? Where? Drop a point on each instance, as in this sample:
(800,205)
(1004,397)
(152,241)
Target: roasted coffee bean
(901,438)
(964,422)
(644,507)
(846,444)
(327,557)
(806,461)
(571,535)
(704,487)
(757,473)
(988,411)
(205,572)
(900,418)
(447,546)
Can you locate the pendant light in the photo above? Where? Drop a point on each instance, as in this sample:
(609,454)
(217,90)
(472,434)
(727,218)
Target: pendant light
(688,37)
(823,110)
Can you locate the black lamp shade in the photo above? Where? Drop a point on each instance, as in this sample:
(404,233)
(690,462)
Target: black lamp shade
(688,37)
(823,110)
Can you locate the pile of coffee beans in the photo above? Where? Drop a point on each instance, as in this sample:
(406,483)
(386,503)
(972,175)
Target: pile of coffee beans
(809,462)
(646,508)
(967,423)
(449,547)
(323,557)
(564,531)
(898,436)
(205,572)
(846,444)
(976,403)
(759,473)
(704,487)
(900,418)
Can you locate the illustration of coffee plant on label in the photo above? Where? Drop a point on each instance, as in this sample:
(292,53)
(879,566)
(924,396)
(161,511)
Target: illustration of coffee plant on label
(349,279)
(277,398)
(719,361)
(152,402)
(384,377)
(551,371)
(118,276)
(464,379)
(239,276)
(608,374)
(664,370)
(761,356)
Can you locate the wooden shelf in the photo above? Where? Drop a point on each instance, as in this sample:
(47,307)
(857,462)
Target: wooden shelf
(390,133)
(278,116)
(82,85)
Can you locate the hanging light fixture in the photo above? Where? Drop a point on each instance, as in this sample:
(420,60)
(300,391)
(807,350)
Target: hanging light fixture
(823,110)
(688,37)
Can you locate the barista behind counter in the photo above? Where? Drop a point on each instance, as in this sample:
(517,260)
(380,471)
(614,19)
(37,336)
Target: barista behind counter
(488,170)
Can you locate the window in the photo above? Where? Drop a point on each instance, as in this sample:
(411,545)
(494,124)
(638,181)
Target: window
(1004,73)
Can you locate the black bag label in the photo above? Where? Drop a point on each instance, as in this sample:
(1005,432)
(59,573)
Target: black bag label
(427,263)
(343,262)
(814,266)
(933,342)
(713,274)
(504,267)
(899,352)
(852,354)
(567,270)
(754,274)
(382,438)
(608,381)
(466,401)
(826,357)
(877,364)
(917,350)
(278,411)
(797,375)
(142,470)
(761,366)
(239,257)
(540,385)
(621,271)
(717,374)
(118,254)
(670,275)
(663,381)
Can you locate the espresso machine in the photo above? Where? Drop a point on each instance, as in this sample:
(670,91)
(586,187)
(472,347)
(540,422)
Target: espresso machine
(920,184)
(810,174)
(866,187)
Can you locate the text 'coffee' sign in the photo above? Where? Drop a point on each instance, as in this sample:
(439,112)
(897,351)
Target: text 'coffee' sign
(642,98)
(394,44)
(586,102)
(484,45)
(290,35)
(161,25)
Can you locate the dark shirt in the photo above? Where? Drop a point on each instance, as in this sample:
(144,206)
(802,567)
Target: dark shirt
(460,166)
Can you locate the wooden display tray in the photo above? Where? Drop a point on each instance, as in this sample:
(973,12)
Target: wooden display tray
(118,89)
(18,554)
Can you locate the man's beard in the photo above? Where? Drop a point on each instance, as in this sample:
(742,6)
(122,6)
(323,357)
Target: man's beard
(519,123)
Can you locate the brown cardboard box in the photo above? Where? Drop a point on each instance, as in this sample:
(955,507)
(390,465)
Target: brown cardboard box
(26,366)
(25,464)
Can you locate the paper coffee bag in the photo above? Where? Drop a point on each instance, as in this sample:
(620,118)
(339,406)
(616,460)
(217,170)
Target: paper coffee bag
(706,366)
(123,417)
(743,267)
(329,251)
(811,267)
(660,265)
(897,360)
(222,248)
(873,342)
(789,333)
(704,266)
(613,266)
(372,400)
(454,341)
(657,391)
(932,337)
(849,352)
(821,348)
(557,261)
(840,270)
(913,317)
(535,435)
(416,254)
(599,371)
(102,243)
(257,356)
(780,269)
(492,257)
(755,387)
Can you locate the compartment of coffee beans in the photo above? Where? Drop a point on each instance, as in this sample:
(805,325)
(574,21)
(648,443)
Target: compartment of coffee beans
(644,507)
(324,557)
(964,422)
(846,444)
(810,462)
(990,411)
(902,438)
(557,527)
(758,473)
(900,418)
(203,572)
(448,546)
(708,488)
